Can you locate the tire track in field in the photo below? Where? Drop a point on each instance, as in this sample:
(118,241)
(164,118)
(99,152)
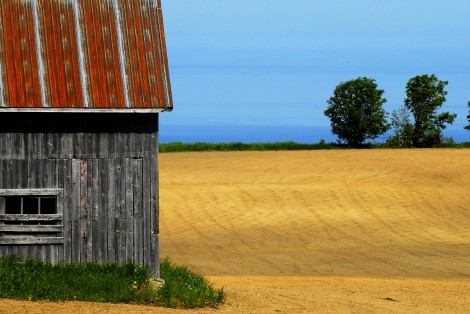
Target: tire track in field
(349,213)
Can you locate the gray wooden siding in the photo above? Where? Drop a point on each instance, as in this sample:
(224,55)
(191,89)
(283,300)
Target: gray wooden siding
(107,169)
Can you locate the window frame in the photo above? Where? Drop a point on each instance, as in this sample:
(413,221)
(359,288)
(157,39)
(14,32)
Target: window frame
(50,233)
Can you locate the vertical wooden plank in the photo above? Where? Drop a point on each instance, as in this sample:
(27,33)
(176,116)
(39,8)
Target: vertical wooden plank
(2,144)
(90,204)
(9,175)
(154,203)
(13,250)
(18,145)
(41,141)
(31,251)
(92,145)
(112,213)
(45,252)
(60,181)
(134,144)
(2,172)
(13,175)
(5,145)
(13,152)
(67,145)
(50,177)
(155,262)
(83,210)
(20,252)
(95,219)
(31,174)
(44,145)
(9,145)
(49,138)
(53,253)
(55,140)
(58,139)
(4,250)
(126,141)
(25,173)
(138,214)
(67,205)
(121,203)
(60,154)
(2,211)
(103,207)
(102,145)
(146,175)
(60,253)
(99,210)
(117,144)
(129,178)
(33,154)
(79,146)
(39,172)
(111,139)
(29,147)
(74,211)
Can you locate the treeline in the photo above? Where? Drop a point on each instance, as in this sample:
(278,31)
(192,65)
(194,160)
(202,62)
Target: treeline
(239,146)
(277,146)
(356,113)
(357,116)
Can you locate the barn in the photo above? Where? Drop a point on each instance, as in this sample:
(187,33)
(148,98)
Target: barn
(82,84)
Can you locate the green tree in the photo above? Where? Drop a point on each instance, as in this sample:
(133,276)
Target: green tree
(355,111)
(425,94)
(468,117)
(402,127)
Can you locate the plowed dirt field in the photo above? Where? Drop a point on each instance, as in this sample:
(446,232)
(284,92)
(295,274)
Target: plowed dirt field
(356,231)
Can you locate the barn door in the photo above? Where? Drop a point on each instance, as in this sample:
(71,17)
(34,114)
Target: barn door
(106,212)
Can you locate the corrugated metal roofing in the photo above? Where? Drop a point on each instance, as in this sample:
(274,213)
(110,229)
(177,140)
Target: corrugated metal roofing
(83,54)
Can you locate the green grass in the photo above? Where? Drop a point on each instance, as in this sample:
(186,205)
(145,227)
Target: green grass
(184,288)
(277,146)
(238,146)
(105,282)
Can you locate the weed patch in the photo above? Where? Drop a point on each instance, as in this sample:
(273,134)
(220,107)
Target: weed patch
(184,288)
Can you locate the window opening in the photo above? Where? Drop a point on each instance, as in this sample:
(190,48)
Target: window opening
(30,205)
(30,219)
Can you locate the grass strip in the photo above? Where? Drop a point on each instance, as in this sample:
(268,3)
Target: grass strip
(278,146)
(105,282)
(239,146)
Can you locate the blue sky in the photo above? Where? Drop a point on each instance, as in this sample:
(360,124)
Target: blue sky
(250,71)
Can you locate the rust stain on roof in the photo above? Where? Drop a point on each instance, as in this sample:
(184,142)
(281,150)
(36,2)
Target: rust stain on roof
(87,54)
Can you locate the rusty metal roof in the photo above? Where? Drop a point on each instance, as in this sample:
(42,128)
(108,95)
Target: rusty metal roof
(83,54)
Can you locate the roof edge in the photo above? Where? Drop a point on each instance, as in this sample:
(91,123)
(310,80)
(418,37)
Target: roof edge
(83,110)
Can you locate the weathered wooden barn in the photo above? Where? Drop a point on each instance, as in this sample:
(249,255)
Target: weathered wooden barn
(81,86)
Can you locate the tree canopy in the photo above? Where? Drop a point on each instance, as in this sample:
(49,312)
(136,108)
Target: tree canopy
(468,117)
(355,111)
(425,94)
(402,127)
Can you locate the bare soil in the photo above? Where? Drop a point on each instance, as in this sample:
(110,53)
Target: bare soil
(353,231)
